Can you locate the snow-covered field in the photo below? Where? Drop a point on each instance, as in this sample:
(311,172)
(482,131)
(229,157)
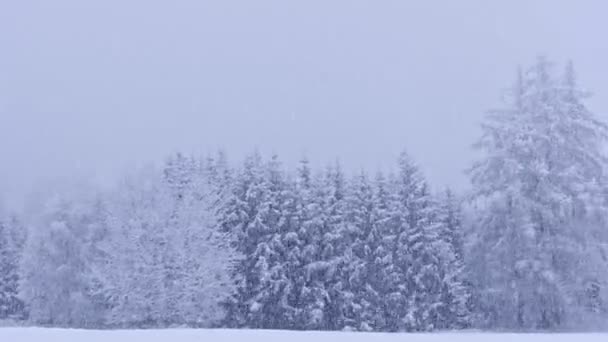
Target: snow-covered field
(191,335)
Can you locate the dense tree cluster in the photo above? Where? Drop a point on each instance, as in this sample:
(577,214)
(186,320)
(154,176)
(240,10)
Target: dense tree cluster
(201,242)
(325,252)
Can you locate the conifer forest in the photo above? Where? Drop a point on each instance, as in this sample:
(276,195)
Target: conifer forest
(208,241)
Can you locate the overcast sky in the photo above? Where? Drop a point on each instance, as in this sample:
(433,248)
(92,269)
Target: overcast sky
(93,87)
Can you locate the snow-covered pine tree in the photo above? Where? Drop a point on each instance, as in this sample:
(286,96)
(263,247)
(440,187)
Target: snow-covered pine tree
(450,217)
(324,253)
(309,297)
(394,303)
(11,306)
(290,256)
(336,250)
(382,272)
(419,277)
(363,283)
(270,307)
(455,310)
(298,237)
(404,208)
(417,251)
(247,212)
(540,179)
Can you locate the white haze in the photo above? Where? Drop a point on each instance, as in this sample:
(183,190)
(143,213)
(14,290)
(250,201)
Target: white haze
(89,88)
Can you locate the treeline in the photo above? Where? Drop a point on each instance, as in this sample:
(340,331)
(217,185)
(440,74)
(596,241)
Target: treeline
(201,242)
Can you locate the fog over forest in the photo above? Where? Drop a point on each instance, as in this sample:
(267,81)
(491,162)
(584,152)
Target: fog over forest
(91,89)
(360,166)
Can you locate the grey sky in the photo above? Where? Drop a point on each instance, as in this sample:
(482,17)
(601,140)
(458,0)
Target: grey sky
(91,87)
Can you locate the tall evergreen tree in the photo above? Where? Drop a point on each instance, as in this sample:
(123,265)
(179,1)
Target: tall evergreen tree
(540,179)
(270,307)
(421,291)
(11,306)
(310,295)
(336,249)
(456,306)
(248,212)
(364,282)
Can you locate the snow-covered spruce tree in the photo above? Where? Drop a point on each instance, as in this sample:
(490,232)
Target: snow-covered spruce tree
(456,310)
(55,273)
(405,204)
(383,271)
(290,256)
(246,215)
(394,300)
(416,253)
(11,306)
(450,217)
(426,273)
(421,291)
(269,303)
(366,208)
(321,222)
(309,296)
(332,268)
(532,254)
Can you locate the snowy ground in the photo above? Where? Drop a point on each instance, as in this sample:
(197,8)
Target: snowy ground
(191,335)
